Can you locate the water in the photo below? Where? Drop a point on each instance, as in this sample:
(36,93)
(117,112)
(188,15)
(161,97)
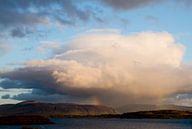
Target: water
(75,123)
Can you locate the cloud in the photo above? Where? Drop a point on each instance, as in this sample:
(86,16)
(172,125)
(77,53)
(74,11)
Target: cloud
(135,4)
(56,98)
(21,18)
(20,32)
(184,99)
(129,4)
(116,69)
(7,96)
(16,15)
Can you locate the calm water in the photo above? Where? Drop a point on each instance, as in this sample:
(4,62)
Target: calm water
(72,123)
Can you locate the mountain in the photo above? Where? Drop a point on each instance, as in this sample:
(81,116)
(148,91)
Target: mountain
(53,109)
(148,107)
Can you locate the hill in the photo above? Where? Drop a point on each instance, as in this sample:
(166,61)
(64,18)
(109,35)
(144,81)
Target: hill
(148,107)
(157,114)
(160,114)
(53,109)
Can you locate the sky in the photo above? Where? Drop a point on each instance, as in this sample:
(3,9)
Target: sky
(111,52)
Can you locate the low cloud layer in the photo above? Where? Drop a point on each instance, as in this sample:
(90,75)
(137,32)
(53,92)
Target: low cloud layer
(113,68)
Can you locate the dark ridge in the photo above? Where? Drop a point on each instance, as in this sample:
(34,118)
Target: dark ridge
(162,114)
(53,109)
(150,107)
(158,114)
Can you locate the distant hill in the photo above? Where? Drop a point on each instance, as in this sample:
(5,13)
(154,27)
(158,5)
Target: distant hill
(53,109)
(159,114)
(148,107)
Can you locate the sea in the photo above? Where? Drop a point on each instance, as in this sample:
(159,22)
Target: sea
(111,123)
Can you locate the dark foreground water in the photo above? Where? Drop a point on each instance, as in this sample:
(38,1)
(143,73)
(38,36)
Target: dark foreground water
(71,123)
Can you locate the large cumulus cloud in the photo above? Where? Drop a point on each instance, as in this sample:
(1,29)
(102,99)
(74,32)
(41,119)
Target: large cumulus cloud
(114,68)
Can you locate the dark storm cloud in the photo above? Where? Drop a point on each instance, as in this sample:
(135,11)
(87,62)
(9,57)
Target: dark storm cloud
(44,87)
(41,95)
(28,78)
(39,78)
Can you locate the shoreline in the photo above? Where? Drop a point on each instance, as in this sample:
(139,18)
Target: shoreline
(38,119)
